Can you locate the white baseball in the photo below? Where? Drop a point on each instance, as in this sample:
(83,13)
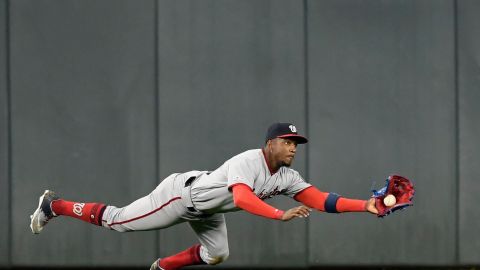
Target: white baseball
(389,200)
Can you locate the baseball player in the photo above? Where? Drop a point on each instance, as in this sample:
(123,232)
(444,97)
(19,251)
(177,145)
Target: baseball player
(201,198)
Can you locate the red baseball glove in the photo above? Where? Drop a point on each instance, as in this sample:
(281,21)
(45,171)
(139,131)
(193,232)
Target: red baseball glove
(398,186)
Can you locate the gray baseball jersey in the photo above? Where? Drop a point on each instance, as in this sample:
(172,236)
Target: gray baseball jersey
(201,198)
(211,192)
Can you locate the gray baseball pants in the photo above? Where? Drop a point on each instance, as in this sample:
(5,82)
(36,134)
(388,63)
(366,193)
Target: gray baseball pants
(169,204)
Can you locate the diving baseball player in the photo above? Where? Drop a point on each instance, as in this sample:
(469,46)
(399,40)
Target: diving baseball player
(201,198)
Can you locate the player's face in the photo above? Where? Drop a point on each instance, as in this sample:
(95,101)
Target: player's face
(283,151)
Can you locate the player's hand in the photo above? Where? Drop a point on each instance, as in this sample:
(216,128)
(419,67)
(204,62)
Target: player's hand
(370,207)
(299,212)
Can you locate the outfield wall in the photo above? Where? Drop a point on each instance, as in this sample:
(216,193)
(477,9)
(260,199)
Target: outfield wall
(100,100)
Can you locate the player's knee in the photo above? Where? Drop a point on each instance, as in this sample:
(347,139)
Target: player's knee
(216,257)
(219,258)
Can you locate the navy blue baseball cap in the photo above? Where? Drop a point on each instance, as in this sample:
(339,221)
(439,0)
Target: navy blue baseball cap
(285,130)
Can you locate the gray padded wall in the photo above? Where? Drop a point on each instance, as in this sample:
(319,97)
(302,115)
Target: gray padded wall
(227,69)
(4,181)
(382,101)
(469,101)
(83,124)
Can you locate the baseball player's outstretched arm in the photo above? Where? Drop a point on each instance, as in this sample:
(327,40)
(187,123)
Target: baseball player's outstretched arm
(244,198)
(331,202)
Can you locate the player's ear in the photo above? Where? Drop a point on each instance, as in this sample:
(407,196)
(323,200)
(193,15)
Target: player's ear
(270,145)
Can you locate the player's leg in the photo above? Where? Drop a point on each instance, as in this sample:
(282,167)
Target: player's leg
(50,205)
(213,248)
(212,234)
(159,209)
(154,211)
(190,256)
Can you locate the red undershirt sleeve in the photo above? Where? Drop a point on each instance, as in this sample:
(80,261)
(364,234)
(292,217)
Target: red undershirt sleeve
(314,198)
(244,198)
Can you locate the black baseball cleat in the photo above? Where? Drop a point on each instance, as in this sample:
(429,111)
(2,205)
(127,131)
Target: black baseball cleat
(155,265)
(44,212)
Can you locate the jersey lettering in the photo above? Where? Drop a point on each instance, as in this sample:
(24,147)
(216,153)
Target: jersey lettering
(267,195)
